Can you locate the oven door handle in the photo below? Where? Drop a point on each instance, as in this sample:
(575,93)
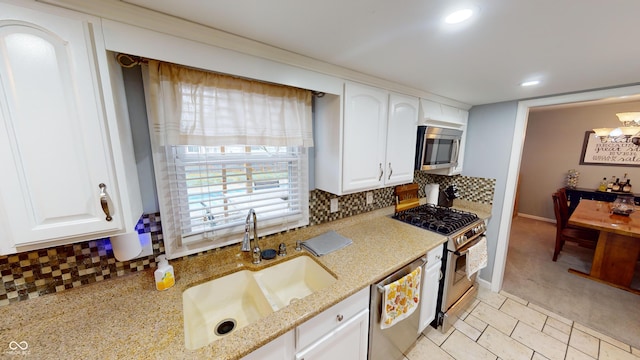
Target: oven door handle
(465,249)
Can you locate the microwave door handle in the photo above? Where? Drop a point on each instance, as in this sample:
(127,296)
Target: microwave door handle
(457,142)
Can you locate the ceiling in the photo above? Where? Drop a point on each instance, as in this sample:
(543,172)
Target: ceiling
(571,45)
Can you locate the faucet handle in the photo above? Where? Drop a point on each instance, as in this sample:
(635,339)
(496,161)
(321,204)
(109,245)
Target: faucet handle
(282,250)
(298,247)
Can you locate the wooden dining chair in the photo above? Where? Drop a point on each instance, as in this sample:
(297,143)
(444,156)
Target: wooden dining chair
(565,232)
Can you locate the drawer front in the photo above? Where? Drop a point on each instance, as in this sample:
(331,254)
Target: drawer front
(331,318)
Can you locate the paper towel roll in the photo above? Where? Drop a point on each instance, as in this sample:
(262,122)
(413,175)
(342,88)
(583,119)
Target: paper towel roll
(432,191)
(126,246)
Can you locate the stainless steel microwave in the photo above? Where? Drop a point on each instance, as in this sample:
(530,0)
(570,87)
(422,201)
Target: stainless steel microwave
(437,148)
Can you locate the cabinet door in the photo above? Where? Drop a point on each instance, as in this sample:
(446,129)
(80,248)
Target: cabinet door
(401,139)
(363,148)
(281,348)
(430,286)
(349,341)
(53,146)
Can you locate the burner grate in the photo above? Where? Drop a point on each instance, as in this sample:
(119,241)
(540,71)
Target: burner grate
(439,219)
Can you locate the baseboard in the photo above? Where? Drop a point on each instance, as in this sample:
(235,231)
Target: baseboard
(483,283)
(534,217)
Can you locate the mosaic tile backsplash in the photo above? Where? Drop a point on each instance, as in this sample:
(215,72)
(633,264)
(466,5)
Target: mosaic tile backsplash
(32,274)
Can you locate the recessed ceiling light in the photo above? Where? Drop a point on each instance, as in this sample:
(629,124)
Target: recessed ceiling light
(530,83)
(458,16)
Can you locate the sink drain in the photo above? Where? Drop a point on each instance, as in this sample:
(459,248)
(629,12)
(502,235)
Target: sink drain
(225,326)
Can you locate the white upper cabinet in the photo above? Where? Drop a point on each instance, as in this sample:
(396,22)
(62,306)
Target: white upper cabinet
(365,125)
(401,139)
(365,142)
(56,148)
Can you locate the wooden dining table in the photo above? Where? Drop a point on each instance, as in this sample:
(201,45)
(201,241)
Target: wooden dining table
(618,248)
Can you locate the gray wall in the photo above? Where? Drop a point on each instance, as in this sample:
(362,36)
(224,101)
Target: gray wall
(490,135)
(553,145)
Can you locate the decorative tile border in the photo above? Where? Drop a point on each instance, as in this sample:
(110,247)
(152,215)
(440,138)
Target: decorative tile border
(32,274)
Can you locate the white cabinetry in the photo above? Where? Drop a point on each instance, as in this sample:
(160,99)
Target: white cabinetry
(61,132)
(279,349)
(340,332)
(445,116)
(429,291)
(366,141)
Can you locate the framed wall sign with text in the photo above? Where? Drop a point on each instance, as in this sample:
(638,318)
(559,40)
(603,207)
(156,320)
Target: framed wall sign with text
(612,151)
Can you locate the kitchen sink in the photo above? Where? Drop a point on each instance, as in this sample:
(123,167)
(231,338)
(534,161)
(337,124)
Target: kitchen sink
(292,280)
(218,307)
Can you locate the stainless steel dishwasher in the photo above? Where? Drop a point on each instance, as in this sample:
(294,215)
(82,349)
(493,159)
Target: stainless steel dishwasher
(391,343)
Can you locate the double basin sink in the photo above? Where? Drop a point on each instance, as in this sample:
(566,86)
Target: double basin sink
(218,307)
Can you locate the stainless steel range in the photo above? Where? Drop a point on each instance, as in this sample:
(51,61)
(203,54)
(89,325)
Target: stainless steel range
(463,230)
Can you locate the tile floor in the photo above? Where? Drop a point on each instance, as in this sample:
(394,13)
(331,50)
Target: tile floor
(503,326)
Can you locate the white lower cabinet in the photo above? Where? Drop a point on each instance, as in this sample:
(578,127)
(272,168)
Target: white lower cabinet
(281,348)
(340,332)
(347,341)
(430,284)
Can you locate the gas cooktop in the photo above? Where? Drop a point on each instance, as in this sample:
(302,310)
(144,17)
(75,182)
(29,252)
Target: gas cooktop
(439,219)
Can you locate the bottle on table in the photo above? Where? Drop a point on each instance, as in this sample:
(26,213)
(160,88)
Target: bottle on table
(627,187)
(616,185)
(603,185)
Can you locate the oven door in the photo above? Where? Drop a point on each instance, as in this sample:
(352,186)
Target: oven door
(456,282)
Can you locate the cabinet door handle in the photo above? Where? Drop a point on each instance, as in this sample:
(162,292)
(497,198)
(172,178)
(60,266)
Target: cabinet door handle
(390,172)
(441,275)
(339,317)
(381,172)
(103,201)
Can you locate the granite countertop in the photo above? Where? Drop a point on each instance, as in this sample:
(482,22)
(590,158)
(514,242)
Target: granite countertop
(127,317)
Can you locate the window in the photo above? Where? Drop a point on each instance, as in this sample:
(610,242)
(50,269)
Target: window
(217,185)
(221,146)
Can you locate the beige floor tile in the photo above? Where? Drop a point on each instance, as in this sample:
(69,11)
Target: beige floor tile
(555,333)
(460,347)
(467,329)
(525,314)
(475,322)
(539,341)
(425,349)
(495,318)
(635,351)
(436,336)
(469,309)
(489,297)
(557,324)
(513,297)
(504,346)
(601,336)
(537,356)
(612,352)
(584,342)
(550,314)
(574,354)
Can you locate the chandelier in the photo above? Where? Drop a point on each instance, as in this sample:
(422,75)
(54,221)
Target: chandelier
(630,127)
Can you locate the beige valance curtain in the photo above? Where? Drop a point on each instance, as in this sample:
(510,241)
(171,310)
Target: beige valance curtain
(193,107)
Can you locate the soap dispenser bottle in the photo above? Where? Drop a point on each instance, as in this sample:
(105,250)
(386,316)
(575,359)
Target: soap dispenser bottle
(164,274)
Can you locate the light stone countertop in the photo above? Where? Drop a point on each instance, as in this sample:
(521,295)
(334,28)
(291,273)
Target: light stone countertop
(128,318)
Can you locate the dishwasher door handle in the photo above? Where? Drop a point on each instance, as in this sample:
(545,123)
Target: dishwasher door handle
(382,283)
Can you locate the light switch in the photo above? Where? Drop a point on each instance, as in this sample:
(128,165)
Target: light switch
(334,205)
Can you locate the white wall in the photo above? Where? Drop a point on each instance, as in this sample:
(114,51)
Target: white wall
(553,146)
(489,139)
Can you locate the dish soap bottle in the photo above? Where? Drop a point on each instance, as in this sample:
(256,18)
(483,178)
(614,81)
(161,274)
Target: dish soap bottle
(164,274)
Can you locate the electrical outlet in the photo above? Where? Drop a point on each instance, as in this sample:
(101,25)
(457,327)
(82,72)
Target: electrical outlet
(369,198)
(334,205)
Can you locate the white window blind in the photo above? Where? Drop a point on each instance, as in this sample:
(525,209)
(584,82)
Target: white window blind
(216,186)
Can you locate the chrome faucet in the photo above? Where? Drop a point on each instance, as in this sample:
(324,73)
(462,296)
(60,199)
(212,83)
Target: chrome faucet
(246,241)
